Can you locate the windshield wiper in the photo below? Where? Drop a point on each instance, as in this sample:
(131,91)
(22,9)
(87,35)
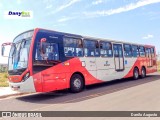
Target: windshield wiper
(16,71)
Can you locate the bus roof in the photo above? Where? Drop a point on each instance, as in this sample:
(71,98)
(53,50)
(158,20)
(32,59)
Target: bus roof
(87,37)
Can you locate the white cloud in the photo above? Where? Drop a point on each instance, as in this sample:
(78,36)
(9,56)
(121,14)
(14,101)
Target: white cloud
(96,2)
(126,8)
(67,5)
(149,36)
(58,25)
(64,6)
(49,3)
(64,19)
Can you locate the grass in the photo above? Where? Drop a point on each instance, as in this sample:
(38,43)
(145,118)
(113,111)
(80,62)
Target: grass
(4,80)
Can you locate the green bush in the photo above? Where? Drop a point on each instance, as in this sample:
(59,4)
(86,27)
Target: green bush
(5,75)
(4,80)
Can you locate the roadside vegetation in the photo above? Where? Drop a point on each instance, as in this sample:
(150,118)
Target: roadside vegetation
(4,80)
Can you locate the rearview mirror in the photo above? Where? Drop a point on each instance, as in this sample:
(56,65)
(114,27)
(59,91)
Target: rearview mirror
(2,51)
(43,40)
(5,48)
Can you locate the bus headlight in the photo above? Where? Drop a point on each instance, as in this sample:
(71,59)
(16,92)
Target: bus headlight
(26,76)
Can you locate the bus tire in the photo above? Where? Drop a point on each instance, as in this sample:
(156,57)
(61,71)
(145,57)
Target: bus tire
(135,73)
(143,72)
(76,83)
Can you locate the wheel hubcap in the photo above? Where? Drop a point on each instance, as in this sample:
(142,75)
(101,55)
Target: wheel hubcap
(143,73)
(77,83)
(136,74)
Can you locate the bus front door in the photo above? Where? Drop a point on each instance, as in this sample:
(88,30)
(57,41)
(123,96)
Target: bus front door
(118,57)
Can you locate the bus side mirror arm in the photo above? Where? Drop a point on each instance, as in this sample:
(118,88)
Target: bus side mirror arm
(43,40)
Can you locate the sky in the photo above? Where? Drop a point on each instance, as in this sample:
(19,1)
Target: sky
(125,20)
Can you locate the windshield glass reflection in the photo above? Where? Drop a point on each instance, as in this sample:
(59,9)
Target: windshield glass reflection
(18,57)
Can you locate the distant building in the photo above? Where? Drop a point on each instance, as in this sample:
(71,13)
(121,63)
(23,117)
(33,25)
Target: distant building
(3,67)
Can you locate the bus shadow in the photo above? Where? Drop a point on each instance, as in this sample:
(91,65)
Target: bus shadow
(91,91)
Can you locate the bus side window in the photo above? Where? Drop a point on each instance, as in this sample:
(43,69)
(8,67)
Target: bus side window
(49,51)
(73,47)
(106,49)
(152,52)
(147,52)
(135,51)
(127,50)
(116,53)
(91,48)
(141,51)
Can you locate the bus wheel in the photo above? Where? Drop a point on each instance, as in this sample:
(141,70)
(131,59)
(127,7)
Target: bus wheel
(136,73)
(143,72)
(76,83)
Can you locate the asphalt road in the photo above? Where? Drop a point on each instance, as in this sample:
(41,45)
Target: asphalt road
(38,101)
(94,97)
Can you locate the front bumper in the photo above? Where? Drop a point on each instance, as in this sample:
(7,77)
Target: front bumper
(26,86)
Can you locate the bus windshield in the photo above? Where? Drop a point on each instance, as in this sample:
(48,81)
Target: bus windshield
(19,53)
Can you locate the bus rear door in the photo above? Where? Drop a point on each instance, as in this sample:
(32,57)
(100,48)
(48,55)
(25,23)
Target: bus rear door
(118,57)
